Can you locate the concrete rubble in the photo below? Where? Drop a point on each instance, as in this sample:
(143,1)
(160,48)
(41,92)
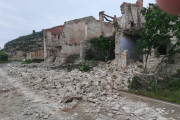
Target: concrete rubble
(98,89)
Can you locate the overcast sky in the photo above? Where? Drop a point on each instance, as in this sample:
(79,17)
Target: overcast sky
(20,17)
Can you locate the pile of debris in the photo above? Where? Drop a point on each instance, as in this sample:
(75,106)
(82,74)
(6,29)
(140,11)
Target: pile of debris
(99,88)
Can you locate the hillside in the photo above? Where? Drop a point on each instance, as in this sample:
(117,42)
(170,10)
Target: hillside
(18,48)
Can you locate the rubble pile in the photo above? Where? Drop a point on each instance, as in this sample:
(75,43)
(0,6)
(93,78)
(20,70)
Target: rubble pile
(98,88)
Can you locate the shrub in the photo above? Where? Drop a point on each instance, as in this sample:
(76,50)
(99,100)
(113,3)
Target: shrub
(103,48)
(32,61)
(84,68)
(178,70)
(27,62)
(3,56)
(173,84)
(37,60)
(135,84)
(140,66)
(71,58)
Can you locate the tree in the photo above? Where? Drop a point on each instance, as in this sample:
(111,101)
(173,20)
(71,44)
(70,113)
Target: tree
(158,29)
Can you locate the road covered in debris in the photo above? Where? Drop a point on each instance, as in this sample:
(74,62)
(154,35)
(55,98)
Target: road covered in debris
(36,92)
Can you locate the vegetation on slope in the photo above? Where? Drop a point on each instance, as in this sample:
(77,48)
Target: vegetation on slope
(25,43)
(3,56)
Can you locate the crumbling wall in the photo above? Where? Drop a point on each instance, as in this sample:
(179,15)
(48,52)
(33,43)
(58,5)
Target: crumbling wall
(126,45)
(154,60)
(52,41)
(128,42)
(83,29)
(121,56)
(74,31)
(131,16)
(65,40)
(38,54)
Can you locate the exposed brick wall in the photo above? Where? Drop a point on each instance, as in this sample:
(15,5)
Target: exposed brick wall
(56,30)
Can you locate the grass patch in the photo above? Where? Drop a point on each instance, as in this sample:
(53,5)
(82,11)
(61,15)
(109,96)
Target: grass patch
(167,89)
(32,61)
(165,95)
(27,62)
(9,61)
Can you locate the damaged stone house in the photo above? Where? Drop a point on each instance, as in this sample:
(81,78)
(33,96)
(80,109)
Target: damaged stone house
(66,39)
(71,37)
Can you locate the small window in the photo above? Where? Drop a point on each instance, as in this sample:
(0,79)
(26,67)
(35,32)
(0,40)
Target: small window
(58,36)
(54,36)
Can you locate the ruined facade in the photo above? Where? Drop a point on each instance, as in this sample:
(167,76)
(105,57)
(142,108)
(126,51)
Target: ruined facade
(126,44)
(65,40)
(52,43)
(158,54)
(73,36)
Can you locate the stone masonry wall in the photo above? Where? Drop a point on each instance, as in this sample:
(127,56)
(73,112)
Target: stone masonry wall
(52,42)
(121,57)
(39,54)
(153,61)
(131,15)
(83,29)
(71,35)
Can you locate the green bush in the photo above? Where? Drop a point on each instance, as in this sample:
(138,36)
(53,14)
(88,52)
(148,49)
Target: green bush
(178,70)
(87,65)
(103,48)
(37,60)
(27,62)
(71,58)
(32,61)
(140,66)
(84,68)
(135,84)
(173,84)
(3,56)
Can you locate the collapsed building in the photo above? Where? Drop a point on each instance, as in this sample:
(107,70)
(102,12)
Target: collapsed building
(69,38)
(72,37)
(66,39)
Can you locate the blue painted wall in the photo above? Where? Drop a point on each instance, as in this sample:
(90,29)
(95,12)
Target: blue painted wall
(128,43)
